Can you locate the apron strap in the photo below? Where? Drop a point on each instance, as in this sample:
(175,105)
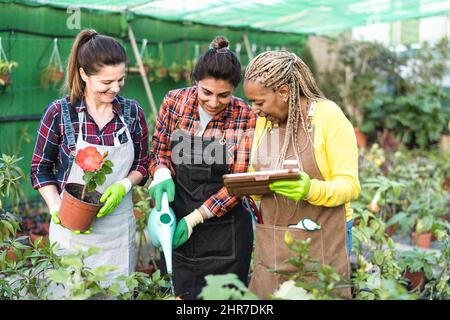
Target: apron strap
(126,124)
(127,113)
(67,124)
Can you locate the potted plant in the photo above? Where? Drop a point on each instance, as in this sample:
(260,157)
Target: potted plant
(53,71)
(175,71)
(52,74)
(81,203)
(5,71)
(418,267)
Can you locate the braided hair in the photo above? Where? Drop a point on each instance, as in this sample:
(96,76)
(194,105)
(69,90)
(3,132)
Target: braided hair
(275,69)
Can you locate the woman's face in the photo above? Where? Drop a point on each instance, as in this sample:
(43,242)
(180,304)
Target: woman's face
(214,94)
(106,83)
(266,102)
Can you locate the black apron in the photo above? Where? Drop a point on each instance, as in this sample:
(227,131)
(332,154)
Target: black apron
(219,245)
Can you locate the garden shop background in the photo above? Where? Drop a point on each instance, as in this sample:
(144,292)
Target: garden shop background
(390,73)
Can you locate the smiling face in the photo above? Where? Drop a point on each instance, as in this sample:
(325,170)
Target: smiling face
(266,102)
(214,94)
(105,84)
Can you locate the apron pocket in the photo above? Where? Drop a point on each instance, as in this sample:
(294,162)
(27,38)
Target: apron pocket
(273,251)
(214,239)
(200,174)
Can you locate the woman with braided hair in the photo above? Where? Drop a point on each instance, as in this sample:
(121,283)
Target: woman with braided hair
(299,128)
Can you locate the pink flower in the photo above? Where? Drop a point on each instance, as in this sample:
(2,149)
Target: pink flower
(89,159)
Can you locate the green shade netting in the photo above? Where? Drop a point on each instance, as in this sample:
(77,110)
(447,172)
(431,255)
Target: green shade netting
(292,16)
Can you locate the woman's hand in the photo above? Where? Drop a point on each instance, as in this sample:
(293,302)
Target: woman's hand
(113,195)
(293,189)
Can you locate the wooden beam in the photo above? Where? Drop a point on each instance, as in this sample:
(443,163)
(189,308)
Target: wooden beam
(142,71)
(248,48)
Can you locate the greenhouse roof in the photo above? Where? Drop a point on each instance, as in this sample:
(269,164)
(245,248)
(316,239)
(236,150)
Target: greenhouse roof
(292,16)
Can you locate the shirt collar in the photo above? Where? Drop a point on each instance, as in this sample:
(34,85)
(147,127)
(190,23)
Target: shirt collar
(81,106)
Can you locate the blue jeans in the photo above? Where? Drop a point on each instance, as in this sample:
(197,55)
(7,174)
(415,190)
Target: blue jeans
(349,236)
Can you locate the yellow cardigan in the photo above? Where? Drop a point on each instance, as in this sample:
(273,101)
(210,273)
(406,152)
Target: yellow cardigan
(336,155)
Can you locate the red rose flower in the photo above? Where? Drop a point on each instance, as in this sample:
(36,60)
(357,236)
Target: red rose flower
(89,159)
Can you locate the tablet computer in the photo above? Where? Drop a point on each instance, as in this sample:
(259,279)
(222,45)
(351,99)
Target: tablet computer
(256,183)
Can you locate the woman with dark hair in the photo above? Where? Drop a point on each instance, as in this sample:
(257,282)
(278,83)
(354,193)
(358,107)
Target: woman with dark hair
(93,114)
(203,132)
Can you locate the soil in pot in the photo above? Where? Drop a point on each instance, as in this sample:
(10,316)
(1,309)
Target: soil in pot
(76,190)
(76,214)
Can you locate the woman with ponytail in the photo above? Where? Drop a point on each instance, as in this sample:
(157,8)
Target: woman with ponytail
(299,128)
(93,114)
(202,132)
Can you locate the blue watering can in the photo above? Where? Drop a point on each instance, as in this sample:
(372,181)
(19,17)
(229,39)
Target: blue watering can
(161,227)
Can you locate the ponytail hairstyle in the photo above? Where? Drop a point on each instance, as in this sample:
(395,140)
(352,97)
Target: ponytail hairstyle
(90,51)
(276,68)
(218,62)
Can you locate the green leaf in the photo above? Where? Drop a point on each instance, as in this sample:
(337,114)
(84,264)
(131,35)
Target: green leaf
(289,291)
(114,289)
(59,276)
(100,179)
(88,176)
(102,270)
(108,163)
(91,186)
(106,169)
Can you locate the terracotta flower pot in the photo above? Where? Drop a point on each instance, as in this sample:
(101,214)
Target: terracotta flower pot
(148,269)
(45,227)
(423,241)
(390,230)
(76,214)
(35,234)
(417,279)
(361,139)
(446,183)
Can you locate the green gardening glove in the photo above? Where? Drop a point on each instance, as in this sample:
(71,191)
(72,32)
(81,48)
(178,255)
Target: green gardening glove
(54,211)
(293,189)
(185,227)
(112,196)
(161,183)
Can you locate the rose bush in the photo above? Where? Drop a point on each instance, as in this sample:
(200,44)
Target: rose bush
(95,168)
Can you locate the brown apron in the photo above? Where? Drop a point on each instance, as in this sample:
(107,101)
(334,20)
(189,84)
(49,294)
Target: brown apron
(328,244)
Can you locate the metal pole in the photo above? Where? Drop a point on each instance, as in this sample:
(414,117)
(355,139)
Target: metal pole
(247,47)
(142,71)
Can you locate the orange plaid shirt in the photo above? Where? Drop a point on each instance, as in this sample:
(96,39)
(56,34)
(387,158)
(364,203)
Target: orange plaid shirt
(236,123)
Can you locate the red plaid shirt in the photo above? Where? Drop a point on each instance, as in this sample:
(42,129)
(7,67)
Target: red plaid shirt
(50,161)
(236,120)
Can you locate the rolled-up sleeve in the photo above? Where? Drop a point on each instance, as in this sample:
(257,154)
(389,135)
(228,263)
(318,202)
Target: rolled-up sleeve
(140,143)
(45,153)
(161,152)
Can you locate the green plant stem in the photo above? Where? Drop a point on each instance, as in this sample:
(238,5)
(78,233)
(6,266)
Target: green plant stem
(83,192)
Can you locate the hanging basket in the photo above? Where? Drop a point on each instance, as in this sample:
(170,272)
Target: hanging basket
(6,67)
(52,73)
